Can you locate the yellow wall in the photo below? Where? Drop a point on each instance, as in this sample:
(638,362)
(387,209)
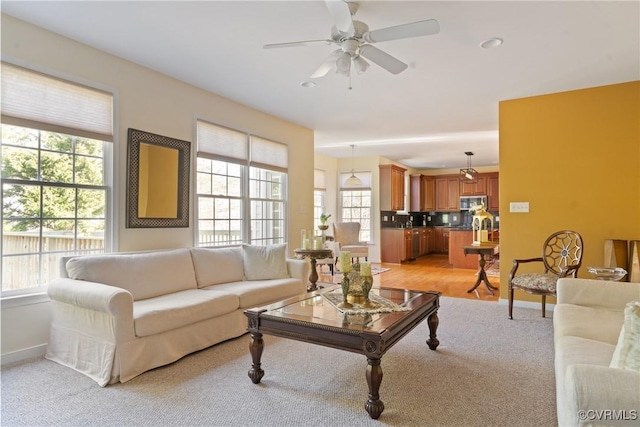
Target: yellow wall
(575,157)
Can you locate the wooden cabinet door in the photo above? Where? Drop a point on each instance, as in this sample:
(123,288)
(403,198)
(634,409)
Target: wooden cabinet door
(408,245)
(478,188)
(442,194)
(397,189)
(445,240)
(453,194)
(431,240)
(424,242)
(429,193)
(391,188)
(416,191)
(392,245)
(439,247)
(493,191)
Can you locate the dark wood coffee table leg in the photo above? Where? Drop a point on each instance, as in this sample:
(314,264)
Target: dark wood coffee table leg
(433,322)
(374,405)
(255,348)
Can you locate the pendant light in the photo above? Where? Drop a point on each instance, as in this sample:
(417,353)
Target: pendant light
(468,175)
(353,180)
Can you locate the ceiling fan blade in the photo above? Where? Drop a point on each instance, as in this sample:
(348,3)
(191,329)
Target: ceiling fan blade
(404,31)
(341,15)
(294,44)
(326,65)
(383,59)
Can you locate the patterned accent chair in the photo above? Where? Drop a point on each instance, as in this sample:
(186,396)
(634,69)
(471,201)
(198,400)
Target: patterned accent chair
(561,257)
(346,236)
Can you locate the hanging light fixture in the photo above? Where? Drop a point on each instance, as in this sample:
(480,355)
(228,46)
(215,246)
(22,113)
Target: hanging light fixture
(469,175)
(353,180)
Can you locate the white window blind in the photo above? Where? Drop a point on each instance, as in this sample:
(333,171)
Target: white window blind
(227,144)
(32,99)
(268,154)
(319,179)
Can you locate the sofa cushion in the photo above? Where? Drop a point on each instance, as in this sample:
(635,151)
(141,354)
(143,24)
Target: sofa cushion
(217,265)
(627,352)
(145,275)
(587,322)
(253,293)
(167,312)
(265,262)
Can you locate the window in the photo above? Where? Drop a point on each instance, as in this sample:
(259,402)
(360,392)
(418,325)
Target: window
(355,203)
(319,194)
(241,188)
(55,186)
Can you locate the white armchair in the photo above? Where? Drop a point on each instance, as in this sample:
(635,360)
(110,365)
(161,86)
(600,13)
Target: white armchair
(346,236)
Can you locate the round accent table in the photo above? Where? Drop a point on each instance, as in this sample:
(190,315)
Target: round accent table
(313,255)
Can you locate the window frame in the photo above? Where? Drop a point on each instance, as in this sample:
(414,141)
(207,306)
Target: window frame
(247,200)
(109,180)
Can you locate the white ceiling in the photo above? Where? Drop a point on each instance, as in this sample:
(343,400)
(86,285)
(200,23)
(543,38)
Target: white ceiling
(426,117)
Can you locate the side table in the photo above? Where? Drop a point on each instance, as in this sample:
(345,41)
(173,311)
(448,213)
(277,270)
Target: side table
(313,255)
(482,275)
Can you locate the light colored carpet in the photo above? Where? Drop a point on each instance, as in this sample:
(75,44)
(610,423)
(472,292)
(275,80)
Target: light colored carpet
(488,371)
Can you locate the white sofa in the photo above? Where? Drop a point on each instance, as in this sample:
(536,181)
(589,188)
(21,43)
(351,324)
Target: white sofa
(587,321)
(115,316)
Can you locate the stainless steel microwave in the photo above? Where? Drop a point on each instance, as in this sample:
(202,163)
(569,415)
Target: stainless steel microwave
(467,201)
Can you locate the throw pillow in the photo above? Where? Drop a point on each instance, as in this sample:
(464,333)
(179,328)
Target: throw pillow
(627,352)
(265,262)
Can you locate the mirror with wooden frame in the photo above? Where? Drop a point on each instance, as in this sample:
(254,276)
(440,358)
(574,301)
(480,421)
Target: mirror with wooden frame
(157,181)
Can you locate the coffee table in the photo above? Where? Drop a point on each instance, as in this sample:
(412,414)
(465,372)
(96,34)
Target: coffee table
(312,318)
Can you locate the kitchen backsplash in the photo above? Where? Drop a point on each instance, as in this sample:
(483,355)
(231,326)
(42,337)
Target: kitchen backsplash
(434,219)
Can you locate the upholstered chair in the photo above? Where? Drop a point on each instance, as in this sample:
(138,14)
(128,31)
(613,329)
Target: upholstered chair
(561,257)
(346,236)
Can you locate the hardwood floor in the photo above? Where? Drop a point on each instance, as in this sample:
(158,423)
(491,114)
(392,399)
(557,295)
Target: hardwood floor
(431,272)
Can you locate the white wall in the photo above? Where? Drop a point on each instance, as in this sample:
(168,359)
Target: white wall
(151,102)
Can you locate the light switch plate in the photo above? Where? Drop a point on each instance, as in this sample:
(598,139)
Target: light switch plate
(519,207)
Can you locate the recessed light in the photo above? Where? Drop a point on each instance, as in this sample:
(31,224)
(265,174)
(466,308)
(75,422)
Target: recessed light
(308,83)
(490,43)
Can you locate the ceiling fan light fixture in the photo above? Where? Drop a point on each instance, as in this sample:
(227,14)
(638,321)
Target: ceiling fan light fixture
(343,64)
(361,64)
(491,43)
(468,175)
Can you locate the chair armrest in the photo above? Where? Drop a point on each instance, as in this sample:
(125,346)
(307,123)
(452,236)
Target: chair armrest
(596,293)
(517,262)
(600,388)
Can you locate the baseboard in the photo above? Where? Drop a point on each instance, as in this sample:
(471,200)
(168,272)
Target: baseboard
(23,354)
(526,304)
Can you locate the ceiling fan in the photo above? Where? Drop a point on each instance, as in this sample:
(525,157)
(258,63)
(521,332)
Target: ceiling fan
(355,41)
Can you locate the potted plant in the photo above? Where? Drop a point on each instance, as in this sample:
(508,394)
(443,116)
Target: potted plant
(323,221)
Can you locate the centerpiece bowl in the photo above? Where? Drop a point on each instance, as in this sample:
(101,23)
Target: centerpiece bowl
(607,273)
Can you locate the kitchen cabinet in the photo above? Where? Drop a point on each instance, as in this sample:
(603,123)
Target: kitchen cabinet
(391,188)
(424,241)
(396,244)
(422,193)
(457,258)
(493,191)
(431,240)
(447,193)
(441,240)
(478,188)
